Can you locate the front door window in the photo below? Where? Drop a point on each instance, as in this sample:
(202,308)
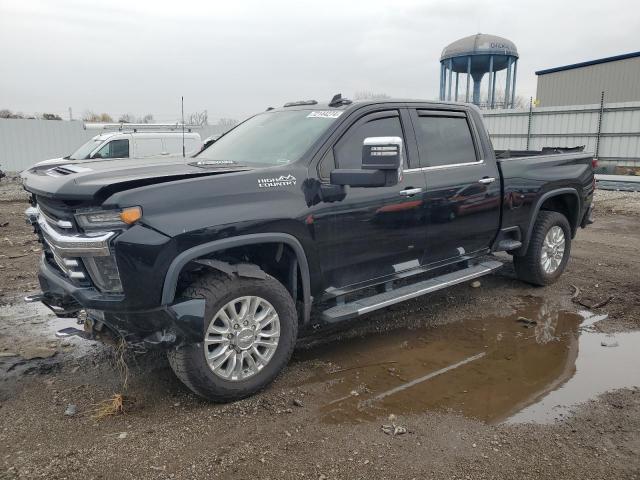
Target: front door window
(114,149)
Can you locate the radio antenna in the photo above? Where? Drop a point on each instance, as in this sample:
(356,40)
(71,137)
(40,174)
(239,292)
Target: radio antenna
(183,151)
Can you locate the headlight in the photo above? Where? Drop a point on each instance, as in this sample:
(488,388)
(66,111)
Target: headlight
(108,219)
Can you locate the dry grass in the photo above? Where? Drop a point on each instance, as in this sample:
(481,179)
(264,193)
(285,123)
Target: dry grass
(119,403)
(121,363)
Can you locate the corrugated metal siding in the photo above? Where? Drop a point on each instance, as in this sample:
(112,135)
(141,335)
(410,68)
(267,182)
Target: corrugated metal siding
(580,86)
(569,127)
(25,142)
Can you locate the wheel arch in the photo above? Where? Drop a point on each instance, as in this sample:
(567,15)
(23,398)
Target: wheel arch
(179,263)
(562,200)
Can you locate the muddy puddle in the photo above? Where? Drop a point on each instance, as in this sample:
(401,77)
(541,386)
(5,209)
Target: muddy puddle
(531,365)
(27,331)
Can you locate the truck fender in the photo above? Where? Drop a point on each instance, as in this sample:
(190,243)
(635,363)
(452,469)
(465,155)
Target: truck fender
(536,209)
(174,270)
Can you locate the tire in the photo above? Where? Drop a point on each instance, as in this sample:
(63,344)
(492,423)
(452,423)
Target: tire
(190,363)
(529,267)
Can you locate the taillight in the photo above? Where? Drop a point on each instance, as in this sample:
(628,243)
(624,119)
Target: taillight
(594,163)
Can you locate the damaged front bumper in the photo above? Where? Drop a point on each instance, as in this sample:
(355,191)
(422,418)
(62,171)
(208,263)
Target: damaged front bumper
(163,327)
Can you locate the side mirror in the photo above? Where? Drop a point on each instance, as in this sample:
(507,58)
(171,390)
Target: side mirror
(382,164)
(382,153)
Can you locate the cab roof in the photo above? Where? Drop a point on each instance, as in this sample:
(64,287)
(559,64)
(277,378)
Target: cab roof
(355,104)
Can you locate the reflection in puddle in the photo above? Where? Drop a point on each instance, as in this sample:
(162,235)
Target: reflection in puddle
(24,326)
(491,369)
(597,370)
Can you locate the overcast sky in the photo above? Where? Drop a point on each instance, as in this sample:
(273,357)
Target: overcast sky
(237,57)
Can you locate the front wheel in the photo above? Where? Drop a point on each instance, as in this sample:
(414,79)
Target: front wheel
(548,251)
(249,334)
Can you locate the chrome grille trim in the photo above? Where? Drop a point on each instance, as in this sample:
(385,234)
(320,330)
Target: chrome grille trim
(66,267)
(52,221)
(75,245)
(75,252)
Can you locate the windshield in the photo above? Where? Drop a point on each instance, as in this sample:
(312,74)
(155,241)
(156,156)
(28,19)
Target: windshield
(84,151)
(271,138)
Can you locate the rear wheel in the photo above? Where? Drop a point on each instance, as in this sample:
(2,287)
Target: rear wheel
(548,251)
(249,333)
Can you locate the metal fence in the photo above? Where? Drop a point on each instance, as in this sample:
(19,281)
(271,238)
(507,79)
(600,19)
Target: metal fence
(610,131)
(25,142)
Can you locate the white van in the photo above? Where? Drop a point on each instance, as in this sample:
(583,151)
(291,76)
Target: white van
(134,144)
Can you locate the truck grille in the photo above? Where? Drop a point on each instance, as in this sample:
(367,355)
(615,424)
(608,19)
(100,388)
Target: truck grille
(67,247)
(71,267)
(56,223)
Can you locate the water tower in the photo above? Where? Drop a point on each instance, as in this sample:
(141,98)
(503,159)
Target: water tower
(475,56)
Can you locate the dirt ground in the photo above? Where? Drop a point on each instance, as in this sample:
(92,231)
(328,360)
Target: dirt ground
(534,393)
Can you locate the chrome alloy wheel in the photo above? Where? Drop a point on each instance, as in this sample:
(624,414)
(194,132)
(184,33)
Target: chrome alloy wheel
(242,338)
(552,249)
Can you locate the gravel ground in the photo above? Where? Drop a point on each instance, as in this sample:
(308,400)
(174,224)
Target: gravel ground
(624,203)
(11,189)
(284,432)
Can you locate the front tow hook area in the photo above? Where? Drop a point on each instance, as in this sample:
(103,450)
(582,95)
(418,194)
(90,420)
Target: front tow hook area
(61,306)
(38,297)
(73,332)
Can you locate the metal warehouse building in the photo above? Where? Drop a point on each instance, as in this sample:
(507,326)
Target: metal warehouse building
(583,83)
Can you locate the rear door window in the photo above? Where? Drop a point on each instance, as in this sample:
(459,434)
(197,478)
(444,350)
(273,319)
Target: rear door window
(173,145)
(148,147)
(444,140)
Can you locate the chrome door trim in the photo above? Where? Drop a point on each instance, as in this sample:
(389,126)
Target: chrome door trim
(444,167)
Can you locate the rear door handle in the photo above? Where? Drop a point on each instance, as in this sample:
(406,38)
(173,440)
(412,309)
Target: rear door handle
(410,192)
(486,180)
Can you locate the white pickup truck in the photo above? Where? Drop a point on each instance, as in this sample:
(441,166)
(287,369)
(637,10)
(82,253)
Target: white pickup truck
(132,143)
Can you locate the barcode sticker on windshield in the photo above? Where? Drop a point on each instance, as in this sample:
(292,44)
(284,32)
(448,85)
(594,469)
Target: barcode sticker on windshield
(325,114)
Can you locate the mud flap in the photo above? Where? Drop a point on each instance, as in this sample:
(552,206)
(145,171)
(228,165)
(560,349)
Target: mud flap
(588,217)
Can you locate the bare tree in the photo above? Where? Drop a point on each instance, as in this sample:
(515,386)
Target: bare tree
(92,117)
(227,122)
(51,116)
(518,102)
(148,118)
(126,118)
(369,95)
(198,118)
(6,113)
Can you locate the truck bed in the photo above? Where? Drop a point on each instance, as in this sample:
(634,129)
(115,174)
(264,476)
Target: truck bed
(502,154)
(526,181)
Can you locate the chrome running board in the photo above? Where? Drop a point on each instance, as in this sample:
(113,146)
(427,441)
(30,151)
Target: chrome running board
(369,304)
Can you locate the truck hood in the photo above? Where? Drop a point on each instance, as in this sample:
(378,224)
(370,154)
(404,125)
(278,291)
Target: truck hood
(66,160)
(54,161)
(97,180)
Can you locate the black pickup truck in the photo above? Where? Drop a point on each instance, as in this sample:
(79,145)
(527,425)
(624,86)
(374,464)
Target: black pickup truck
(300,215)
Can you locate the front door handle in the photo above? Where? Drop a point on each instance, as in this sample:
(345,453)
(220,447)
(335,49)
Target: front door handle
(410,192)
(486,180)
